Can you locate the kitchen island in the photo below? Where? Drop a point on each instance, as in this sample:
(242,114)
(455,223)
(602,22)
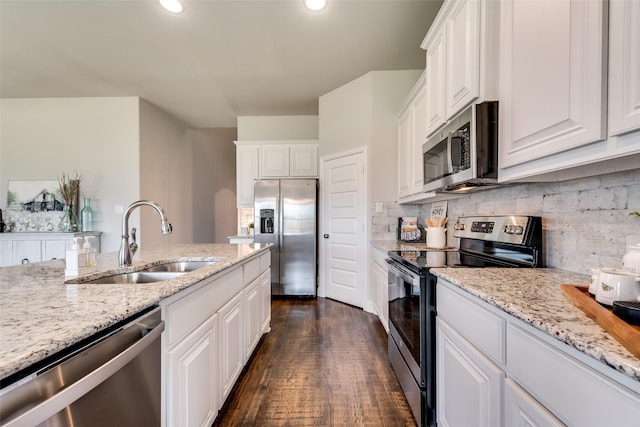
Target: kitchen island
(41,313)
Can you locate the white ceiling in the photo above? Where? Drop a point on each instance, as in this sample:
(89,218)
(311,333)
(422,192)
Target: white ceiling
(217,60)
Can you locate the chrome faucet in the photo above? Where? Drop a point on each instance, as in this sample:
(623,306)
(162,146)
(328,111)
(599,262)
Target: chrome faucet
(127,250)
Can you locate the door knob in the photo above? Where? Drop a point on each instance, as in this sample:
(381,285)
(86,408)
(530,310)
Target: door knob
(326,236)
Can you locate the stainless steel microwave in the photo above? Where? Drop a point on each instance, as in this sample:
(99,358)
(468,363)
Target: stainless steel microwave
(463,155)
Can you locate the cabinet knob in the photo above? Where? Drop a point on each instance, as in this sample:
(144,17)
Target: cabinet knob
(25,261)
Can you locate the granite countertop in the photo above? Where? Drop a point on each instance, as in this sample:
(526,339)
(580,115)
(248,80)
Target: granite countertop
(534,296)
(41,313)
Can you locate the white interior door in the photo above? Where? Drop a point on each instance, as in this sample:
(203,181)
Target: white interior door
(344,231)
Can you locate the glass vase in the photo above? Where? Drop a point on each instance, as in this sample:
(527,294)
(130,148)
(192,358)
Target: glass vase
(70,220)
(86,215)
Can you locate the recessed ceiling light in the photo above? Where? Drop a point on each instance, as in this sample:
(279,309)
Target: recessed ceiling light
(173,6)
(315,4)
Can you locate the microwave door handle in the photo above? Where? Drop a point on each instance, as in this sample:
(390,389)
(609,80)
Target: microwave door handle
(449,160)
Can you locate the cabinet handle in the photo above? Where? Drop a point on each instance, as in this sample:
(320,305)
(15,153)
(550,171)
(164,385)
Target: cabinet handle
(25,261)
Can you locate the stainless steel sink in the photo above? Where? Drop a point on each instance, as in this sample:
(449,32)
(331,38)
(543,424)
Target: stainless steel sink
(179,266)
(138,277)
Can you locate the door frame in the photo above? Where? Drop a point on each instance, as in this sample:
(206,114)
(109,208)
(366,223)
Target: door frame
(365,235)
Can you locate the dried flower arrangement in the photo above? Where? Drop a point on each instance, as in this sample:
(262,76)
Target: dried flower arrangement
(69,187)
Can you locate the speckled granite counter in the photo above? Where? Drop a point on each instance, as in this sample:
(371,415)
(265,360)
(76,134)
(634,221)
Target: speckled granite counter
(40,314)
(534,296)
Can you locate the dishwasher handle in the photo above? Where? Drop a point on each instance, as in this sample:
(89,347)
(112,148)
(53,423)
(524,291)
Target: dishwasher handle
(84,385)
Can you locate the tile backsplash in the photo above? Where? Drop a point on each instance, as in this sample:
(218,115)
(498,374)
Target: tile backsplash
(586,221)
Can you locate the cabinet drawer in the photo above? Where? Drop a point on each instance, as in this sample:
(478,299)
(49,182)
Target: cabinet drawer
(379,257)
(485,329)
(573,392)
(251,270)
(265,261)
(186,314)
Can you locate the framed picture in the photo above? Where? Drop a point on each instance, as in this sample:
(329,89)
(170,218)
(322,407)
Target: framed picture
(34,205)
(439,209)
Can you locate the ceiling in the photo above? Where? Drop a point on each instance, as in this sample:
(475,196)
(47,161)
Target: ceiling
(217,60)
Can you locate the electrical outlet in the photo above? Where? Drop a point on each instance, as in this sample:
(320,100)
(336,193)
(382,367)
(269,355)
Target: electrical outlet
(119,209)
(378,207)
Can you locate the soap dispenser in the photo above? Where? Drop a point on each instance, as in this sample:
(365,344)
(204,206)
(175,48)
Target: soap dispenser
(90,252)
(76,258)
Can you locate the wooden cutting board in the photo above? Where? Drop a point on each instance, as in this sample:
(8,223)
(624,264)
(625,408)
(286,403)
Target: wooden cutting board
(627,335)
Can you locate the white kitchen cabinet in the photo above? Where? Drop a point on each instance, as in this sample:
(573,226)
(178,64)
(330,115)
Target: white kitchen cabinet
(456,73)
(303,161)
(522,410)
(247,172)
(232,343)
(27,247)
(253,316)
(192,385)
(411,135)
(265,286)
(206,339)
(469,387)
(274,161)
(624,66)
(542,378)
(379,293)
(552,83)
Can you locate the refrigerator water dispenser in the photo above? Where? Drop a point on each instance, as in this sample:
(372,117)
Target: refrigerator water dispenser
(266,221)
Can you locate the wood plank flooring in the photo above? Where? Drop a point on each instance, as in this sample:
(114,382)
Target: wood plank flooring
(324,363)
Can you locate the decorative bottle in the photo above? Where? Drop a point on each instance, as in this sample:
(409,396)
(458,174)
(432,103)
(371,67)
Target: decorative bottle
(86,215)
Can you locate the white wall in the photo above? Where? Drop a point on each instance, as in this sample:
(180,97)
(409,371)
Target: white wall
(46,137)
(214,184)
(165,176)
(364,113)
(265,128)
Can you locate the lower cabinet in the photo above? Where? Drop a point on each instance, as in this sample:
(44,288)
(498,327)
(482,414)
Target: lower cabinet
(493,370)
(379,291)
(192,397)
(27,247)
(212,328)
(469,385)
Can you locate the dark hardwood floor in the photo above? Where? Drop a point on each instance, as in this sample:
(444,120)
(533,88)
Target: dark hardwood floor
(324,363)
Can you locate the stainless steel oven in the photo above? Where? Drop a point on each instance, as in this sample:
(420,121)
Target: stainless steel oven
(489,241)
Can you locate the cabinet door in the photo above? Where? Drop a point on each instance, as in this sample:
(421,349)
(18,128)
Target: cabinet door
(462,79)
(435,82)
(274,161)
(419,137)
(404,160)
(624,66)
(252,316)
(265,286)
(54,249)
(522,410)
(6,253)
(304,160)
(469,386)
(26,251)
(192,386)
(232,346)
(552,61)
(246,173)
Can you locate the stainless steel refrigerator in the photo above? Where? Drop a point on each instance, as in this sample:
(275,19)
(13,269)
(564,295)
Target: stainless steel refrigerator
(285,215)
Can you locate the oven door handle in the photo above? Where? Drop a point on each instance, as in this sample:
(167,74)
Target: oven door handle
(402,272)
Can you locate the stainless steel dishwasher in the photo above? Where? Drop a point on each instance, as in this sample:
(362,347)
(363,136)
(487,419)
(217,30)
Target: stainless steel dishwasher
(114,380)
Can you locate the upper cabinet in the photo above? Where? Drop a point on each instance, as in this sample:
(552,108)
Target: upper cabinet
(553,88)
(456,75)
(624,66)
(411,136)
(246,173)
(272,160)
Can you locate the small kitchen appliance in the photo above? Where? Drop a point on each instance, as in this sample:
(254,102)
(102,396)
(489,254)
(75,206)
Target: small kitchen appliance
(464,154)
(484,241)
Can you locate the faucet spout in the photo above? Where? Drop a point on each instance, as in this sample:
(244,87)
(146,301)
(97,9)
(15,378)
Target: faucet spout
(127,250)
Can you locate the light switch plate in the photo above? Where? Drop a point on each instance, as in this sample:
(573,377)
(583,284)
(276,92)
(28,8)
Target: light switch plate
(378,207)
(119,209)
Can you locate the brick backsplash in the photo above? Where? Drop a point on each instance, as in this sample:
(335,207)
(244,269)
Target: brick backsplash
(586,221)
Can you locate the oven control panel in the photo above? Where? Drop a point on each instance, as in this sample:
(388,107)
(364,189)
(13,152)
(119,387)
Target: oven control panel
(499,228)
